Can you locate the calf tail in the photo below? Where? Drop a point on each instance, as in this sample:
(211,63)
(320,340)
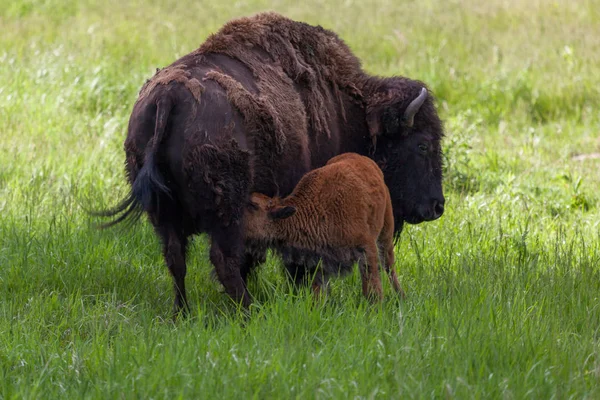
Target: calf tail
(149,184)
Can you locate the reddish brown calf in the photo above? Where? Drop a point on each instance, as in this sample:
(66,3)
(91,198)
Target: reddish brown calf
(338,214)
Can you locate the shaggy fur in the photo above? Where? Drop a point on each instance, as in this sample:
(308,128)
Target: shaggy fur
(262,102)
(314,58)
(340,213)
(170,74)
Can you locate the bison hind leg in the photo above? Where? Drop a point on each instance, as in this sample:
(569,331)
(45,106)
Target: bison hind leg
(174,252)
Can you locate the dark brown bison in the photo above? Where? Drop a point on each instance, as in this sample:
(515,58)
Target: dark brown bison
(337,215)
(260,103)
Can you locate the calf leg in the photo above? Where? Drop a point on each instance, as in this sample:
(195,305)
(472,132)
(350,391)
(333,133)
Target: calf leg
(369,272)
(388,264)
(297,273)
(320,284)
(174,252)
(386,241)
(227,256)
(302,274)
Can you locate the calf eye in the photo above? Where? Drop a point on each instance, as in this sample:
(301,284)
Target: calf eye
(423,148)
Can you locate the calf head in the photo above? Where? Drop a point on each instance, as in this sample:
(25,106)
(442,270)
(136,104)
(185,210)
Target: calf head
(405,133)
(261,216)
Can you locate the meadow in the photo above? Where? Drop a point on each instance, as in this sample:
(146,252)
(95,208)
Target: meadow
(503,292)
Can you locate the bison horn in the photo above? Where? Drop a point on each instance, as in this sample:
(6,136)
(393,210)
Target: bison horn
(413,108)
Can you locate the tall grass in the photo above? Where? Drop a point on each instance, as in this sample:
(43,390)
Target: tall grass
(503,291)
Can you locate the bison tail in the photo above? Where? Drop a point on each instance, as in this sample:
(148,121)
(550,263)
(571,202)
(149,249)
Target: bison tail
(149,185)
(127,210)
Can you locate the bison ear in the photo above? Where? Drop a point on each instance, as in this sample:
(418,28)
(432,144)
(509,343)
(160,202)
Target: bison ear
(382,120)
(373,122)
(282,212)
(387,120)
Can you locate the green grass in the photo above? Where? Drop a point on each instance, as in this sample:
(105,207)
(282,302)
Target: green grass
(503,291)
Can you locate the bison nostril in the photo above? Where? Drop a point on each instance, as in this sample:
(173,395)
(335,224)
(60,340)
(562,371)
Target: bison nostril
(438,208)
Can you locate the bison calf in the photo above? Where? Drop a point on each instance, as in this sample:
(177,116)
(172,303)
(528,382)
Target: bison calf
(339,214)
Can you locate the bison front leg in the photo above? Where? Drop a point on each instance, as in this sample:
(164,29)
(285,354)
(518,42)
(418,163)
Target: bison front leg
(253,257)
(227,256)
(174,252)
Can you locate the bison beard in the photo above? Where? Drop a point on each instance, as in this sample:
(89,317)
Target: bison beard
(260,103)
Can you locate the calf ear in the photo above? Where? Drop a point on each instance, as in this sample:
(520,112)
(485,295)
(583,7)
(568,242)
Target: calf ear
(252,205)
(282,212)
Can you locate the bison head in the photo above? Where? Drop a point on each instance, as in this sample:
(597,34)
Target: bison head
(405,133)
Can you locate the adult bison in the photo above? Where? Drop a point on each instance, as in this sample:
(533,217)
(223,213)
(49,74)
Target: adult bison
(260,103)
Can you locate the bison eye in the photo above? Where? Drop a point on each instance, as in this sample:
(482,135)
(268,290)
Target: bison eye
(423,148)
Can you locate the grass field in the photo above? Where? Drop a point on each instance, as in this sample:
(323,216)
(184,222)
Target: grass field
(503,290)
